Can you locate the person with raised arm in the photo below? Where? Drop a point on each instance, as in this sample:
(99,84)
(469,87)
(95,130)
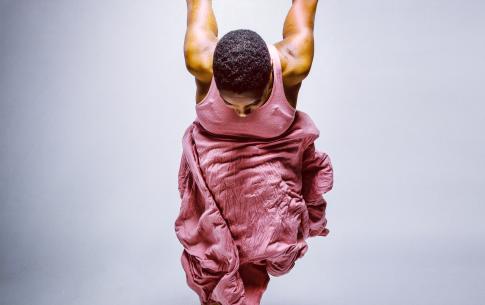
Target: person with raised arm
(251,181)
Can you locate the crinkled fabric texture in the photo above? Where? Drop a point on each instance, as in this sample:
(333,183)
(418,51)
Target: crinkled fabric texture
(247,208)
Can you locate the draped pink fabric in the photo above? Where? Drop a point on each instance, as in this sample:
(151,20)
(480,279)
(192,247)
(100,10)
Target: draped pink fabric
(252,193)
(247,208)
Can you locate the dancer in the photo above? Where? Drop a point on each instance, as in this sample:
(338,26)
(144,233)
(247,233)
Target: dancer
(251,181)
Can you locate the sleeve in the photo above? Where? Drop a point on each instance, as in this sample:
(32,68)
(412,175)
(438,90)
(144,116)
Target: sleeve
(317,179)
(209,258)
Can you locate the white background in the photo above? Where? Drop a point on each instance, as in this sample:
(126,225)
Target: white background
(94,100)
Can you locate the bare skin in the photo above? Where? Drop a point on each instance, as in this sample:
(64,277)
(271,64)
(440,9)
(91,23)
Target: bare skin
(295,50)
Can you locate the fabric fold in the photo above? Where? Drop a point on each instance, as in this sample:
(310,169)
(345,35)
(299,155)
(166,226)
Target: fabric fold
(247,207)
(210,258)
(317,179)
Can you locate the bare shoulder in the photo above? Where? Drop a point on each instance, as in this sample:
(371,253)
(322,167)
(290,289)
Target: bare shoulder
(199,54)
(291,70)
(282,52)
(296,57)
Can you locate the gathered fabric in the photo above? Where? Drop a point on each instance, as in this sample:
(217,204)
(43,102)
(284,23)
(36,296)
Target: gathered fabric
(247,206)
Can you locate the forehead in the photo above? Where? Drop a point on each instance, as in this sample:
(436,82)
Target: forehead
(244,98)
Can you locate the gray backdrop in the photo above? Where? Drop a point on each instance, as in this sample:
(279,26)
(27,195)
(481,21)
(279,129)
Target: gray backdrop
(95,98)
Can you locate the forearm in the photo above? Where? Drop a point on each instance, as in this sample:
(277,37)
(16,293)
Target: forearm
(300,18)
(201,22)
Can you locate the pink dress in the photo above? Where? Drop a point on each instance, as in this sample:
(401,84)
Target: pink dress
(252,193)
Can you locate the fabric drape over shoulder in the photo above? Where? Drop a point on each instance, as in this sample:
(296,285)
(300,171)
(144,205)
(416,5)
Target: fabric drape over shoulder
(247,201)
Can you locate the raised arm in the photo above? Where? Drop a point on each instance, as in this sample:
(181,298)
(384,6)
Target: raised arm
(200,39)
(296,48)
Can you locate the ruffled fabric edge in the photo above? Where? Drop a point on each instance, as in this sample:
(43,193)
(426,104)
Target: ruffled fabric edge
(317,179)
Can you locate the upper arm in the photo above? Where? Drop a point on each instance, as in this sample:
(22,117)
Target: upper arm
(198,52)
(297,47)
(200,39)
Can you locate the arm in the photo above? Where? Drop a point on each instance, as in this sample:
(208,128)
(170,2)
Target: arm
(296,48)
(200,39)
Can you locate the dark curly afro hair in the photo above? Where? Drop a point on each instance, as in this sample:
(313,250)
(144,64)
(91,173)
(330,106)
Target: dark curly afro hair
(241,62)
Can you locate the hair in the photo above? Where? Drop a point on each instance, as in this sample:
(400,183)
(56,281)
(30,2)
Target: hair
(241,62)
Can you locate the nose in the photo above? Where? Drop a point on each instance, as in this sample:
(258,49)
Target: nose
(241,113)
